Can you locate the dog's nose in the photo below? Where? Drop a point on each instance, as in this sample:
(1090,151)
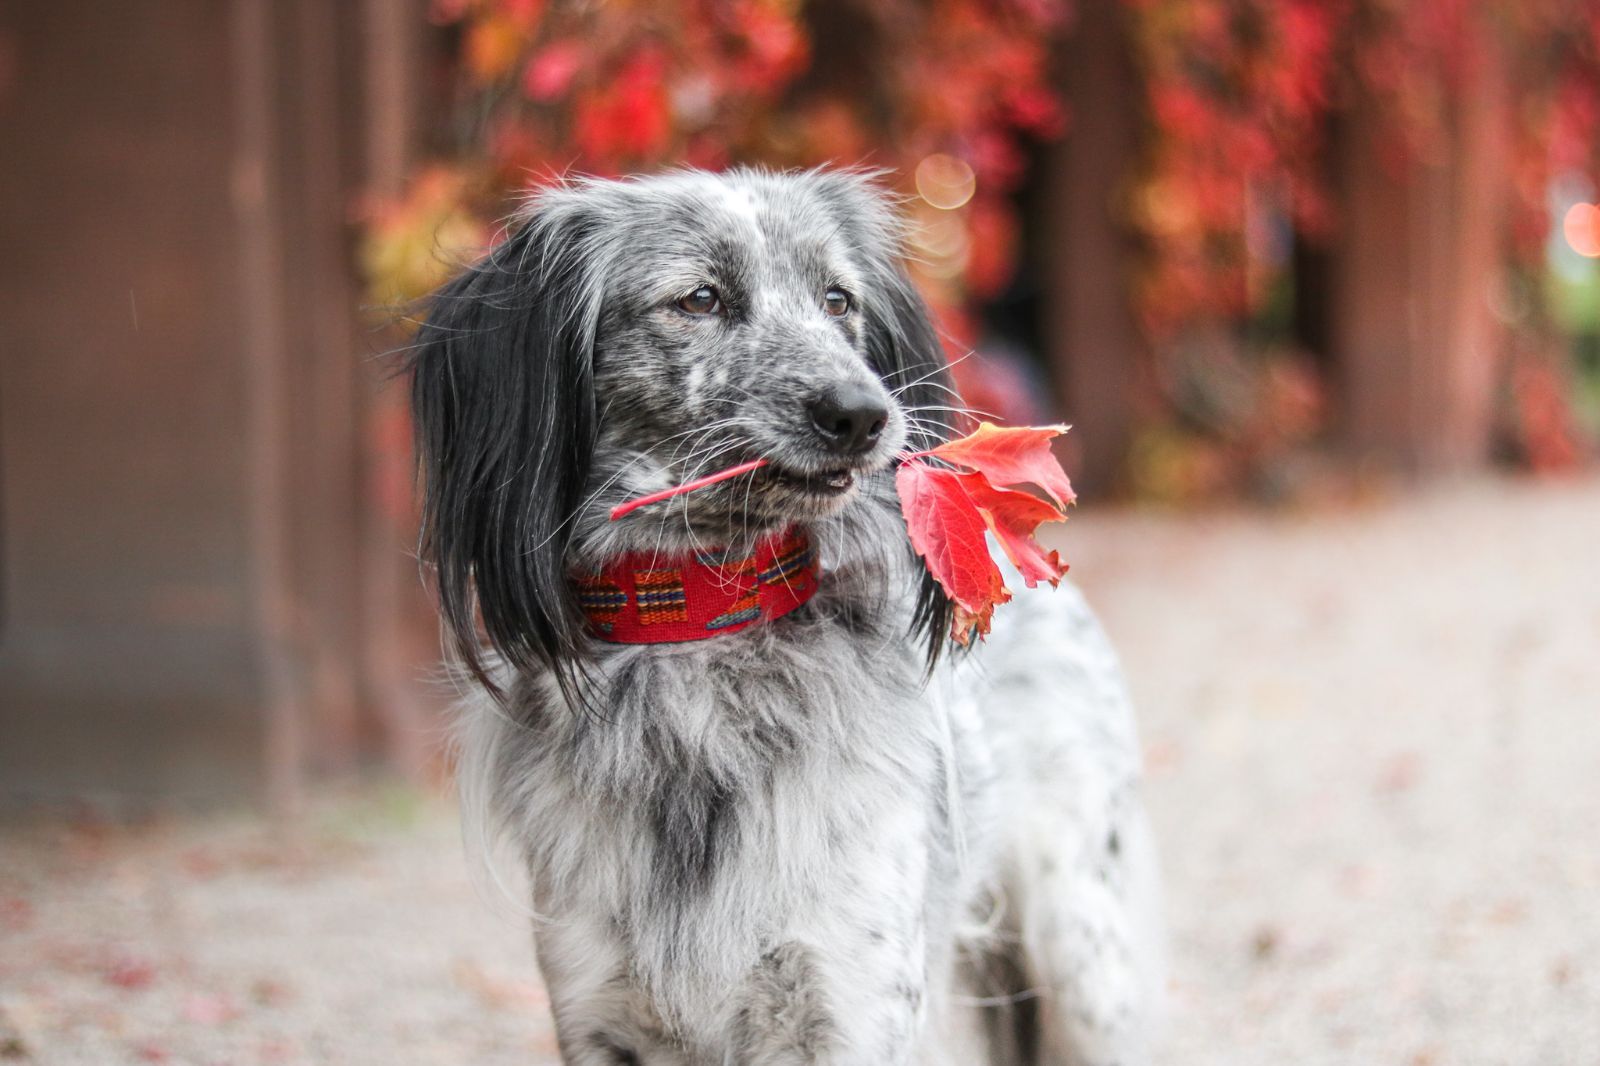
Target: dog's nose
(849,417)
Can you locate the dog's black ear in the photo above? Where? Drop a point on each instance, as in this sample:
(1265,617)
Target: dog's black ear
(904,346)
(504,411)
(905,349)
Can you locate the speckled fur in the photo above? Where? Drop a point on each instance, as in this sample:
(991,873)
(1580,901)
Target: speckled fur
(791,844)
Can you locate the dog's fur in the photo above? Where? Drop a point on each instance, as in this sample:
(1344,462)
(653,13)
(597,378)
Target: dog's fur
(818,840)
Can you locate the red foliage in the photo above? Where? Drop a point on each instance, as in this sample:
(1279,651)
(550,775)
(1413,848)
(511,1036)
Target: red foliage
(1556,67)
(561,86)
(1013,517)
(1541,419)
(1012,456)
(947,530)
(1239,91)
(1240,96)
(945,93)
(948,512)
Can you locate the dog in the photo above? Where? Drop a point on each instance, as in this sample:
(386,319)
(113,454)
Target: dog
(768,813)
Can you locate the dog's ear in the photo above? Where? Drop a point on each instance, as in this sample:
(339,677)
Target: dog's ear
(904,347)
(503,406)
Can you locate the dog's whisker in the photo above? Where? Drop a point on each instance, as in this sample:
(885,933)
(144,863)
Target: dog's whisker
(938,371)
(927,382)
(963,410)
(610,481)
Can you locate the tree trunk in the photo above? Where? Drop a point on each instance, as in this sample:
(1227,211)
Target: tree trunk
(1090,329)
(1417,270)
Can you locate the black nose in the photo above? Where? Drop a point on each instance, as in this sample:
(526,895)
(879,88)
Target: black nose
(849,417)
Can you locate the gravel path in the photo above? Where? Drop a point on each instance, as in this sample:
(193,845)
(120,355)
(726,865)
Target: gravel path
(1374,748)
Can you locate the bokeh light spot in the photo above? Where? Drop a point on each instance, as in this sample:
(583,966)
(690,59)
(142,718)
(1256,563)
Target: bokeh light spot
(1581,227)
(945,182)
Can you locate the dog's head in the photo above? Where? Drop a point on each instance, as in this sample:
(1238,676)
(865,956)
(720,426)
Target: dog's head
(631,335)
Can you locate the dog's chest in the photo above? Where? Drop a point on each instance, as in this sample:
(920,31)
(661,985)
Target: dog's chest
(735,802)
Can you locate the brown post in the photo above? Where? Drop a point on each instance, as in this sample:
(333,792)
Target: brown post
(1477,337)
(392,595)
(1090,328)
(181,560)
(259,212)
(129,657)
(1414,337)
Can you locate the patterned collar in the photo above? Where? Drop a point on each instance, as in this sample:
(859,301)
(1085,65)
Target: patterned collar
(643,599)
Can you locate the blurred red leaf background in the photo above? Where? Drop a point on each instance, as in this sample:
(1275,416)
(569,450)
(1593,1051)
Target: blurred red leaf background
(1244,108)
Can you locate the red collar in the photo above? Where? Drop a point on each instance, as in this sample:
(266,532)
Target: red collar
(643,599)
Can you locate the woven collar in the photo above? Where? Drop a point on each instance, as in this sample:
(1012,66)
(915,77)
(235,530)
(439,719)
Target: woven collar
(644,599)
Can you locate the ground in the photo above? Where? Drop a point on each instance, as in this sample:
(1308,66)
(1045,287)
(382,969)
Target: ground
(1373,739)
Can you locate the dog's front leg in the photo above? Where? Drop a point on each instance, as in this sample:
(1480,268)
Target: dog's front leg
(601,1017)
(800,1006)
(859,1002)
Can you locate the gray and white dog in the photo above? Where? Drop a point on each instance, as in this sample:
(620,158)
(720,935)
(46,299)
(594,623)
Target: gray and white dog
(824,838)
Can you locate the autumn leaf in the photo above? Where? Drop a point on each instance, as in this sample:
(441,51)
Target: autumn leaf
(549,73)
(130,974)
(1011,455)
(492,47)
(947,513)
(947,529)
(1012,517)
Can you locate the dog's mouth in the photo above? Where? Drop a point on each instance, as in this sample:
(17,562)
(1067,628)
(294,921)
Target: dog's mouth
(822,483)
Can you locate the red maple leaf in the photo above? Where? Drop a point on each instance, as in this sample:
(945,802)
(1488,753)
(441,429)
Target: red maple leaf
(1012,517)
(947,513)
(947,530)
(1011,455)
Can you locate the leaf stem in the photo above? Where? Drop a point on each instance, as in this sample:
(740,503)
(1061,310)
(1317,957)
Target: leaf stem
(622,509)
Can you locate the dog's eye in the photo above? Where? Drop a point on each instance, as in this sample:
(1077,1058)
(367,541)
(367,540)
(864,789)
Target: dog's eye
(836,302)
(703,301)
